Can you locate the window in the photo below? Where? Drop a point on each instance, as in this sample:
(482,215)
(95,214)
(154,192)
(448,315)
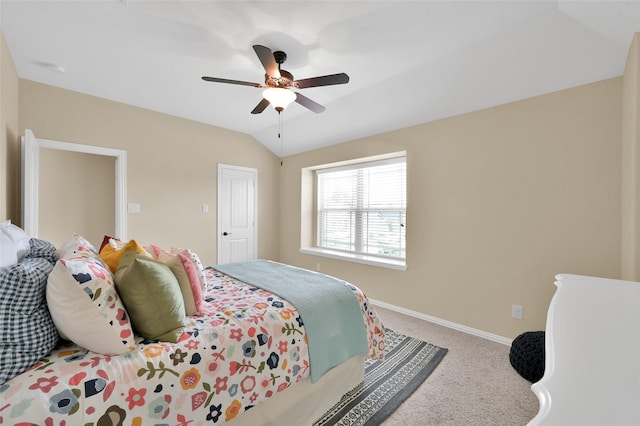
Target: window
(361,208)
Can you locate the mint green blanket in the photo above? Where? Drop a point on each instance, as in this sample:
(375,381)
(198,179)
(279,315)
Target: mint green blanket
(329,309)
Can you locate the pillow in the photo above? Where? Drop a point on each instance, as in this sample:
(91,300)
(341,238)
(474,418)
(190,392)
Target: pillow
(187,276)
(150,251)
(151,295)
(14,244)
(195,259)
(112,252)
(105,241)
(28,333)
(86,308)
(77,246)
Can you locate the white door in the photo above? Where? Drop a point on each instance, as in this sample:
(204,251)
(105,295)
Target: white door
(237,196)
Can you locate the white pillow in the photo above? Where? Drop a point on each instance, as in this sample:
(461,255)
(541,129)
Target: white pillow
(77,246)
(86,308)
(14,244)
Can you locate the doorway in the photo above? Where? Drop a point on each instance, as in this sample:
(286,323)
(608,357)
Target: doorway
(31,167)
(237,213)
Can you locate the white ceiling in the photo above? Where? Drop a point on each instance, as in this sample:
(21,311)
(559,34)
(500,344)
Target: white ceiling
(409,62)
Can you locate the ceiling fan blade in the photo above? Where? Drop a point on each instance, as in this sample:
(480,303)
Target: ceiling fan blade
(325,80)
(308,103)
(268,61)
(260,107)
(225,80)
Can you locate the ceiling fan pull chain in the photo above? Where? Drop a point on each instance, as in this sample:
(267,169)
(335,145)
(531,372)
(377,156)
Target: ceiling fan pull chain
(280,134)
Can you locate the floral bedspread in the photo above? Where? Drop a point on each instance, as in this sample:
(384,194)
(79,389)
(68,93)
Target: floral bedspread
(245,347)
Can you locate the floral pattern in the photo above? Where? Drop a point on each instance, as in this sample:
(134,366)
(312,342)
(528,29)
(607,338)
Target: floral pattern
(246,346)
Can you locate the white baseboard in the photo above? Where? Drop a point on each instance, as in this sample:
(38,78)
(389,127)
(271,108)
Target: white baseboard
(445,323)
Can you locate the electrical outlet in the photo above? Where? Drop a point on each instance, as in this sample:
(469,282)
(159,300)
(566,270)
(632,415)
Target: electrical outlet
(517,311)
(133,208)
(318,266)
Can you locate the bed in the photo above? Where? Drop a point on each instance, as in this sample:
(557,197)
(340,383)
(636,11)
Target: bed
(246,356)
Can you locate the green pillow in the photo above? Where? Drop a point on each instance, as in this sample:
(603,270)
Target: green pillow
(151,295)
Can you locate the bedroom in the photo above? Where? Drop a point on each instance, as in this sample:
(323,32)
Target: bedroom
(502,199)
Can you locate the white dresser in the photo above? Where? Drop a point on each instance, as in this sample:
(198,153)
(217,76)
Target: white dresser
(592,345)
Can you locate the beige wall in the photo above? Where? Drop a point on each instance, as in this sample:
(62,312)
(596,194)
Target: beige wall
(9,137)
(171,165)
(71,202)
(499,201)
(630,164)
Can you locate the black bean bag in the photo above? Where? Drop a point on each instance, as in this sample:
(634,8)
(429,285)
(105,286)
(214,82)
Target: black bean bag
(527,355)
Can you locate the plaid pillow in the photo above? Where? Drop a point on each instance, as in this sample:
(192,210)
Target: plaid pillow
(27,332)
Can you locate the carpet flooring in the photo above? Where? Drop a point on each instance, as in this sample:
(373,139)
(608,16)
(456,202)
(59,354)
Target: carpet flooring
(473,385)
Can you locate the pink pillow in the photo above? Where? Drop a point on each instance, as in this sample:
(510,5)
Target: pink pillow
(187,276)
(193,257)
(194,281)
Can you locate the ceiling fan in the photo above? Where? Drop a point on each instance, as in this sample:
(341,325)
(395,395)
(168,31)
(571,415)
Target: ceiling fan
(279,83)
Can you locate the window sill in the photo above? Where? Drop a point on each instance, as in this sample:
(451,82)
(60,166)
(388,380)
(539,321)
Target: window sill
(382,262)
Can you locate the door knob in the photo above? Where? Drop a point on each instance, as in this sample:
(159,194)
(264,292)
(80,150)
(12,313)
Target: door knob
(226,233)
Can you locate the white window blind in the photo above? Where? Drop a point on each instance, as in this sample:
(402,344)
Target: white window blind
(362,208)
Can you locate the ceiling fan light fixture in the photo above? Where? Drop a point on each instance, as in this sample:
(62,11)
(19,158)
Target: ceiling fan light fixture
(279,98)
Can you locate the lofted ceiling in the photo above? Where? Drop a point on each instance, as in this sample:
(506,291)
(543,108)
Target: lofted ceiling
(408,62)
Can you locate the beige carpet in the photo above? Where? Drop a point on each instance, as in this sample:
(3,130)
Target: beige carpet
(473,385)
